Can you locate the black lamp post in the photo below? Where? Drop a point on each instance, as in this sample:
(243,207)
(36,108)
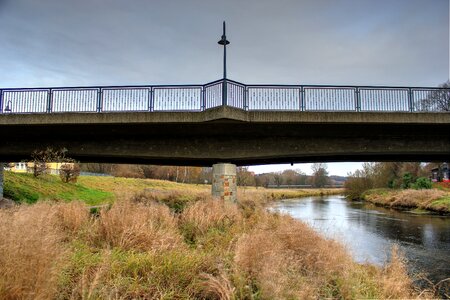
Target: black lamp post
(223,41)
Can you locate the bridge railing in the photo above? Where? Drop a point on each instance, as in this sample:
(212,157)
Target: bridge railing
(224,92)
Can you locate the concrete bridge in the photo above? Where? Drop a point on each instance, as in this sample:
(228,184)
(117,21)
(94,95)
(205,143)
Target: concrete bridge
(227,122)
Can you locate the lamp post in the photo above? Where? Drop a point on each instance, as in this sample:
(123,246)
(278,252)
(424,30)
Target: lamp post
(224,42)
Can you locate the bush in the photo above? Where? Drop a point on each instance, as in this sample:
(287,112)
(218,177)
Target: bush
(422,183)
(69,172)
(407,181)
(356,185)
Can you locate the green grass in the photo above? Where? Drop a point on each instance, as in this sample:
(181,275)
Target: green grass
(97,190)
(25,188)
(443,202)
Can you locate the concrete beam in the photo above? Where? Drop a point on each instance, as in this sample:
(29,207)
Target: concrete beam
(231,135)
(226,113)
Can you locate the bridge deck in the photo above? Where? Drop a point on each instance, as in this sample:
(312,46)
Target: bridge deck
(227,134)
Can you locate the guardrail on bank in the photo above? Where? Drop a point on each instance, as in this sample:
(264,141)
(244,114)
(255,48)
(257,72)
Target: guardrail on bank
(193,98)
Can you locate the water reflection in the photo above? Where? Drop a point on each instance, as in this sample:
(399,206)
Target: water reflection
(369,232)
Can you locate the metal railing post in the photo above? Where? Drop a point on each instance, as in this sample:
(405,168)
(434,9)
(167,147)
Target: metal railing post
(245,98)
(358,99)
(224,93)
(1,101)
(203,98)
(302,98)
(411,100)
(100,100)
(150,99)
(49,101)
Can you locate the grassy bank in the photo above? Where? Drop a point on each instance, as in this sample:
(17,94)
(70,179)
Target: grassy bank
(24,188)
(140,249)
(434,200)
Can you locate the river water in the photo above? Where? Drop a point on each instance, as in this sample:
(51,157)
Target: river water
(369,232)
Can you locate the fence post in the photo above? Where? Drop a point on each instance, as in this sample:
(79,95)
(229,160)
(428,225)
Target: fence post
(358,99)
(302,98)
(245,97)
(203,99)
(100,100)
(224,93)
(150,99)
(1,101)
(49,101)
(411,100)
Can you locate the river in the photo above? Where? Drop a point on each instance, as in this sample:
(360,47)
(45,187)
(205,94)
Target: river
(369,232)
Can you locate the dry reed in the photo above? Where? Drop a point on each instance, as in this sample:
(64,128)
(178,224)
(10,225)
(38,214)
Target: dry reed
(134,226)
(136,251)
(31,252)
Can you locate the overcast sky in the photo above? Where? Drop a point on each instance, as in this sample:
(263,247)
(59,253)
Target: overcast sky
(119,42)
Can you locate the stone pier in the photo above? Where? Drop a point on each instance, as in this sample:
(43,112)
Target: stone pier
(224,182)
(1,180)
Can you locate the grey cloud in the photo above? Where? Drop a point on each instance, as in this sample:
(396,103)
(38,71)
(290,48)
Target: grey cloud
(83,42)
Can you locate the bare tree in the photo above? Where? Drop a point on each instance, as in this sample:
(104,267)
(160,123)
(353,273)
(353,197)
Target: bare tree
(69,172)
(437,100)
(41,158)
(320,175)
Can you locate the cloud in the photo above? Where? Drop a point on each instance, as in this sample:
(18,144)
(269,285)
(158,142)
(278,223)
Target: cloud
(92,42)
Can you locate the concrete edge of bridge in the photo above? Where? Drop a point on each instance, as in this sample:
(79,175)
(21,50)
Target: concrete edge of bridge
(226,114)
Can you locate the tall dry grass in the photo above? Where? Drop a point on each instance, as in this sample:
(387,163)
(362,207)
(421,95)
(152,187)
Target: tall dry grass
(211,250)
(423,199)
(32,252)
(134,226)
(211,216)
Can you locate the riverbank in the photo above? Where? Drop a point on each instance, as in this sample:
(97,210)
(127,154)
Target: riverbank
(417,201)
(368,231)
(139,248)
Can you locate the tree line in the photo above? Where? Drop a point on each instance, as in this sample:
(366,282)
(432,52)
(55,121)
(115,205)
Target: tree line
(202,175)
(393,175)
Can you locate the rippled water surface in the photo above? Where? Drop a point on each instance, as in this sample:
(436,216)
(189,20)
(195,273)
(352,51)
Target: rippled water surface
(369,232)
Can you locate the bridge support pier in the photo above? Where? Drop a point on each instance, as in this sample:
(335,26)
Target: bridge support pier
(224,182)
(2,165)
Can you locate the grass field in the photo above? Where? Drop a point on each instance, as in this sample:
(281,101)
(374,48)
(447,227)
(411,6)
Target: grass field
(96,190)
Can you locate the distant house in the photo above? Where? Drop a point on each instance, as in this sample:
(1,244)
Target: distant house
(441,173)
(19,167)
(24,167)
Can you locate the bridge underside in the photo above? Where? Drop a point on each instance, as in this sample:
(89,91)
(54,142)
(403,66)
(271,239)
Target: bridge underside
(230,135)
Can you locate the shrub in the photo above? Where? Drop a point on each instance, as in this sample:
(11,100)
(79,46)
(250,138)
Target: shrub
(407,181)
(422,183)
(69,172)
(356,185)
